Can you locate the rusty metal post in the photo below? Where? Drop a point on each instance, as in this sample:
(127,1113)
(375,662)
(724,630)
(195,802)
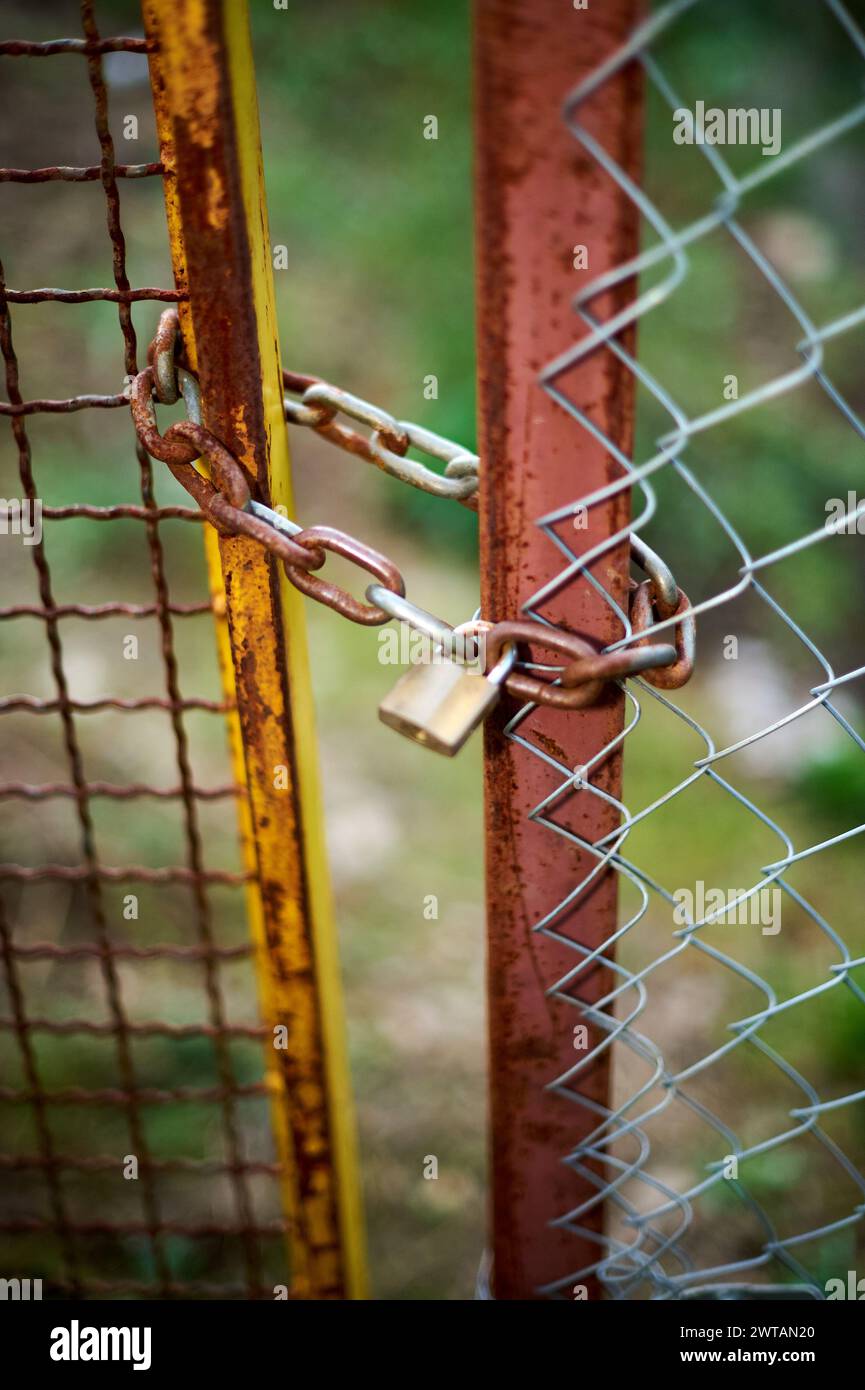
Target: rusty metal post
(207,114)
(539,194)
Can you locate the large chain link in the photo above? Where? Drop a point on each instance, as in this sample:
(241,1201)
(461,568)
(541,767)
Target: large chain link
(227,502)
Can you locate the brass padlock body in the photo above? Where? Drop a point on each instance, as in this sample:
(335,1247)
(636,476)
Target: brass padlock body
(439,705)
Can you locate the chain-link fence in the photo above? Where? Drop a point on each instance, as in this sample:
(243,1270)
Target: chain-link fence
(127,964)
(730,1158)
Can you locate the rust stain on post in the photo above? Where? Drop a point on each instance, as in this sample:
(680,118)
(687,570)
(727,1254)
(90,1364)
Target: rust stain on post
(539,195)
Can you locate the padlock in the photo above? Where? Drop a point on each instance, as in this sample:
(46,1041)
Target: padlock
(441,703)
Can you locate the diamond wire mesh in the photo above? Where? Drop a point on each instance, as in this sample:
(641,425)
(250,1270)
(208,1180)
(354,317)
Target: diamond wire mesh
(202,1219)
(787,1231)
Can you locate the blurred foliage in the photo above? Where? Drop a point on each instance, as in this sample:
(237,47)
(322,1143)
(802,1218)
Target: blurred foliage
(834,788)
(377,219)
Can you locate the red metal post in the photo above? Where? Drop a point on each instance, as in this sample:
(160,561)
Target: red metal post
(539,194)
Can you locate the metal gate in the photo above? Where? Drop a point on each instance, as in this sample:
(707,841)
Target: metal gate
(143,1242)
(674,1009)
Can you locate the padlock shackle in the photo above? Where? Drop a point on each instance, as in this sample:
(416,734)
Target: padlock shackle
(397,606)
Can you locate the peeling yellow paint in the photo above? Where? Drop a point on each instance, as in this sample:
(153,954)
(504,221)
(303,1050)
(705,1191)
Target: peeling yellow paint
(217,202)
(293,953)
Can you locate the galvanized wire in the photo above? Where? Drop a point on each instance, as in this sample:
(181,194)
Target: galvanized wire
(649,1249)
(108,1256)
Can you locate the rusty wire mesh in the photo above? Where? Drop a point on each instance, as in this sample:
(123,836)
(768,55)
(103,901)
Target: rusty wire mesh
(737,1082)
(105,1008)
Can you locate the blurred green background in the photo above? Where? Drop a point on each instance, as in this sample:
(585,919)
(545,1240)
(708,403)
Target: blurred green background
(377,296)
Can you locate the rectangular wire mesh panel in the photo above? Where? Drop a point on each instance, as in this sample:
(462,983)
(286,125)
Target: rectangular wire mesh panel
(137,1157)
(730,1157)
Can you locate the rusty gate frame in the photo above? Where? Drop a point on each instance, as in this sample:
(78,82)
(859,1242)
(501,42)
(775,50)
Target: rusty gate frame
(538,195)
(204,93)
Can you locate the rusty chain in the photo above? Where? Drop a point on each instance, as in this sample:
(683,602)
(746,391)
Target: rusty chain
(318,405)
(226,500)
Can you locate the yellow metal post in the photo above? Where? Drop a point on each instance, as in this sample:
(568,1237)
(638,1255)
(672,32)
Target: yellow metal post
(204,92)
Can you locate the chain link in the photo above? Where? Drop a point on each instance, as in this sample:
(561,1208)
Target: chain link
(582,681)
(331,595)
(386,447)
(226,501)
(673,675)
(661,594)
